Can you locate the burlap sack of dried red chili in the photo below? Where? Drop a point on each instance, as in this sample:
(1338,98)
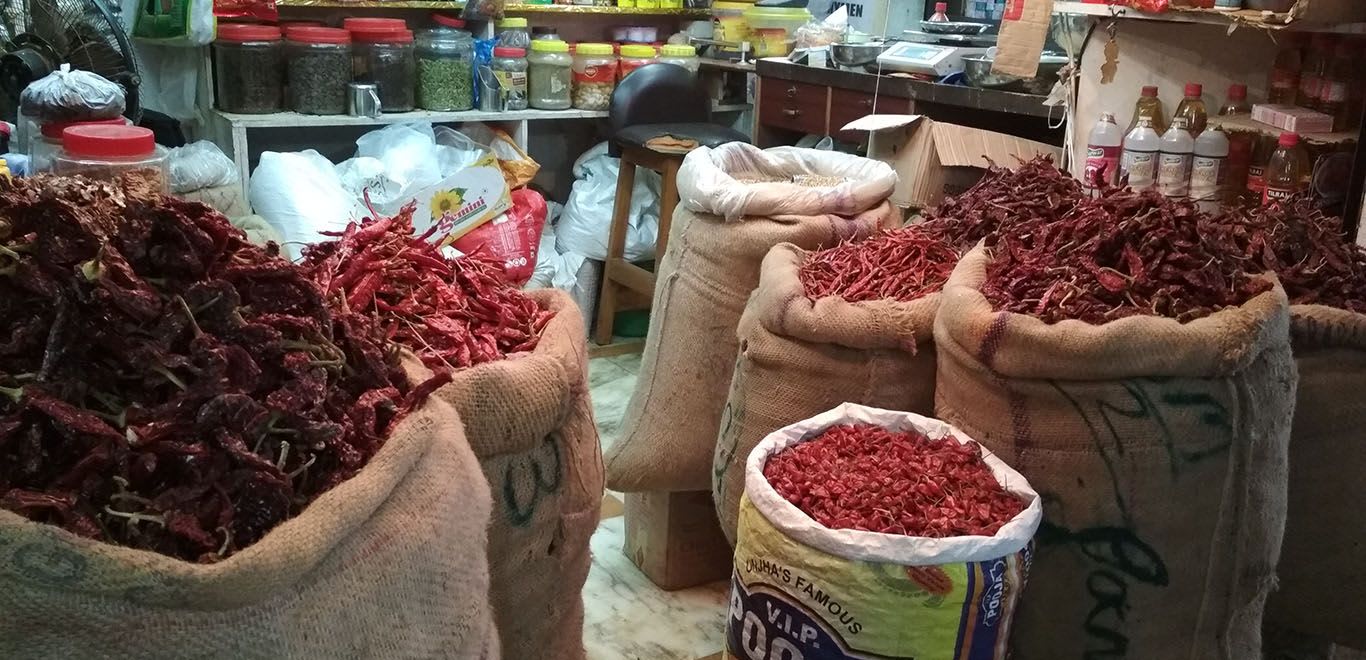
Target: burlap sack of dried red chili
(735,203)
(389,563)
(1159,449)
(799,357)
(530,423)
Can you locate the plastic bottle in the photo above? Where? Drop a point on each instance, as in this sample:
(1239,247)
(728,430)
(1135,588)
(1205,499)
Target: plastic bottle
(1335,88)
(1150,106)
(1102,153)
(1283,84)
(941,13)
(1138,163)
(1288,170)
(1262,147)
(1174,160)
(1237,101)
(1192,109)
(1209,169)
(1314,69)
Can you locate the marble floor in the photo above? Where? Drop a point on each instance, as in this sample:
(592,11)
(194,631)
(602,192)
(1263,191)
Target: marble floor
(626,616)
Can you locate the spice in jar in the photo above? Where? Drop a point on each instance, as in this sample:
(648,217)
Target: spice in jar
(249,68)
(509,66)
(550,75)
(595,76)
(108,151)
(682,55)
(389,63)
(633,57)
(445,69)
(319,69)
(512,33)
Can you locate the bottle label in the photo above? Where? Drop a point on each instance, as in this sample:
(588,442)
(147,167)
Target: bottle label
(1102,164)
(596,73)
(1256,181)
(1309,86)
(1207,178)
(1140,167)
(511,82)
(1333,92)
(1174,174)
(1274,194)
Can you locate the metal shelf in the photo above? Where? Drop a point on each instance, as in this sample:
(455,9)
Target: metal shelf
(296,120)
(510,9)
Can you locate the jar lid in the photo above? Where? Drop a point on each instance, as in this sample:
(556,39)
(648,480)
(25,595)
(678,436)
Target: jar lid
(508,51)
(318,35)
(678,50)
(243,32)
(383,36)
(53,129)
(549,46)
(448,21)
(370,23)
(101,140)
(513,22)
(594,49)
(637,50)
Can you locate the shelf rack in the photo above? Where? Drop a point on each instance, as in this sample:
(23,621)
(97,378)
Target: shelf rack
(583,10)
(1230,19)
(1245,124)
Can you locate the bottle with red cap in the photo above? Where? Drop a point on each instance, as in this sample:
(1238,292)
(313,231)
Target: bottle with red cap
(108,151)
(1149,106)
(1192,109)
(941,13)
(1287,172)
(1236,104)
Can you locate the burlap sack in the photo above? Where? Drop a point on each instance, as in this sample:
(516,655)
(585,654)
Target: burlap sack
(721,231)
(1159,449)
(530,422)
(389,564)
(798,358)
(1321,578)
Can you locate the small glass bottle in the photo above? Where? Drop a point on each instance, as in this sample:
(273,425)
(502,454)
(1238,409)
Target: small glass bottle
(509,67)
(1262,147)
(1192,109)
(941,13)
(1335,90)
(1102,154)
(1237,101)
(1287,172)
(1149,106)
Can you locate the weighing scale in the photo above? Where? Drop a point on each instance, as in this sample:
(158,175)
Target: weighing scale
(928,59)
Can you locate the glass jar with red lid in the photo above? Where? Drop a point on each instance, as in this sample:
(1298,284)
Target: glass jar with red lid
(319,66)
(249,68)
(385,57)
(49,141)
(107,152)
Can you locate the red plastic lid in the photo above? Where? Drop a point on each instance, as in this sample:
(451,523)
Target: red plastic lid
(1237,91)
(53,129)
(289,25)
(508,51)
(365,23)
(1150,91)
(389,36)
(106,141)
(1289,139)
(941,7)
(1194,89)
(318,35)
(448,21)
(240,32)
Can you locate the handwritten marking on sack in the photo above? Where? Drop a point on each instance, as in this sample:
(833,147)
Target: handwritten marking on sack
(544,481)
(41,562)
(731,423)
(798,583)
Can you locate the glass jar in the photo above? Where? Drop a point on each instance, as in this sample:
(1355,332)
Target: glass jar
(550,75)
(512,33)
(546,33)
(107,152)
(445,69)
(249,69)
(49,141)
(682,55)
(510,67)
(387,60)
(633,57)
(319,68)
(595,76)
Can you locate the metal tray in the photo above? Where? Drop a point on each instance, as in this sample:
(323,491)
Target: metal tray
(956,27)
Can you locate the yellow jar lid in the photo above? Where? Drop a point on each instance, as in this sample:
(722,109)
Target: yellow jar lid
(549,46)
(637,50)
(677,50)
(512,23)
(594,49)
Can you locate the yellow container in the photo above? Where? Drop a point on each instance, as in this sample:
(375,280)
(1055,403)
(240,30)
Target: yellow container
(773,29)
(728,22)
(647,4)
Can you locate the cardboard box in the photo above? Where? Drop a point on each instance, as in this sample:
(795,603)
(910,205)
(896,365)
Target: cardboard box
(460,202)
(934,159)
(1292,118)
(675,540)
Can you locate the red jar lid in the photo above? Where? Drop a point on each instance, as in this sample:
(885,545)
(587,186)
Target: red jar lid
(241,32)
(366,23)
(53,129)
(508,51)
(318,35)
(104,141)
(384,36)
(448,21)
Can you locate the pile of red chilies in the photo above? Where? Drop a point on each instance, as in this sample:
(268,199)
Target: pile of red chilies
(900,264)
(453,313)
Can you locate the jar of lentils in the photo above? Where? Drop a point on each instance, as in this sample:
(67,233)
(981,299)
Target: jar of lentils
(550,75)
(319,65)
(445,69)
(249,69)
(389,63)
(595,76)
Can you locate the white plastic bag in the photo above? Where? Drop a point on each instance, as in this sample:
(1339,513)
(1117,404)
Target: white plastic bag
(200,165)
(410,158)
(587,218)
(299,193)
(67,94)
(553,268)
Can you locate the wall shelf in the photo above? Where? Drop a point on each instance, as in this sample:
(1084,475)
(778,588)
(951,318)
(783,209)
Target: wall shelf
(1230,19)
(510,9)
(1245,124)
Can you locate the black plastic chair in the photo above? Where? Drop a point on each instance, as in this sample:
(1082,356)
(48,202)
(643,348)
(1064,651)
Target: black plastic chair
(656,100)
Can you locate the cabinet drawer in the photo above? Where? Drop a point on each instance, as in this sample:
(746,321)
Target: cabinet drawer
(846,106)
(794,106)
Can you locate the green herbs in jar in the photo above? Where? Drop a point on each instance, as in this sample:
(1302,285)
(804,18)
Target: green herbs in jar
(444,84)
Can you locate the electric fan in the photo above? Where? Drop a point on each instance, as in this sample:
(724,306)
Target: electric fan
(42,35)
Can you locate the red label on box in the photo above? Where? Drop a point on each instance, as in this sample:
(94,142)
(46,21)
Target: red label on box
(1014,10)
(602,73)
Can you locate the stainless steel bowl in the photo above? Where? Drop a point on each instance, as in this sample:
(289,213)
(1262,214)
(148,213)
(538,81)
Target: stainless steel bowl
(856,55)
(977,72)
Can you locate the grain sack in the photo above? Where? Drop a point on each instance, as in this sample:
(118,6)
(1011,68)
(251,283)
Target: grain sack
(390,563)
(802,590)
(530,423)
(798,358)
(721,231)
(1159,449)
(1320,575)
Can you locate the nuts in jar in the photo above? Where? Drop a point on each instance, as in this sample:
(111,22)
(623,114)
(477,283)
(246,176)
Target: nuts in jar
(595,68)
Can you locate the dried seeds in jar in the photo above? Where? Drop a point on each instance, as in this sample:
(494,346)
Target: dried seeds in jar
(389,63)
(445,69)
(249,67)
(319,69)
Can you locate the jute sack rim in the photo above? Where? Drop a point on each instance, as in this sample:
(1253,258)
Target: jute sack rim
(705,184)
(781,306)
(875,546)
(1321,326)
(1021,346)
(262,571)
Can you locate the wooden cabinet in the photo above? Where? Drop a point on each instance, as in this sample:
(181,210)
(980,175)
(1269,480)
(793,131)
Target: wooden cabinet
(847,105)
(793,106)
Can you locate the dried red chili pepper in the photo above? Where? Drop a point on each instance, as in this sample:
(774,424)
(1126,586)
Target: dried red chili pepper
(1033,192)
(899,264)
(864,477)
